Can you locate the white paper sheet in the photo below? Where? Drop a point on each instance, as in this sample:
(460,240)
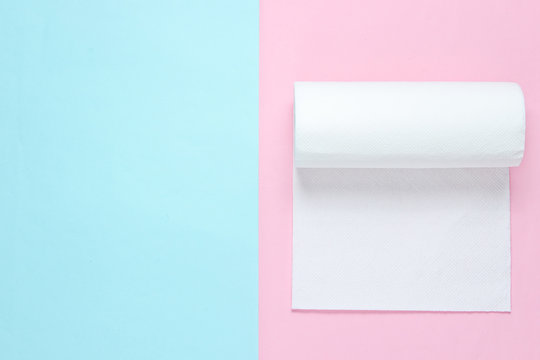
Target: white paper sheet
(401,195)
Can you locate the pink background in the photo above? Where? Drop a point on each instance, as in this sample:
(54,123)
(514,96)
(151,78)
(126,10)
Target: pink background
(346,40)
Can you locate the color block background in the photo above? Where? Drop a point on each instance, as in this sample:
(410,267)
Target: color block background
(346,40)
(128,173)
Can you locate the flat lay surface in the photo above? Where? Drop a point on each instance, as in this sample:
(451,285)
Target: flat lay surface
(394,41)
(146,179)
(126,230)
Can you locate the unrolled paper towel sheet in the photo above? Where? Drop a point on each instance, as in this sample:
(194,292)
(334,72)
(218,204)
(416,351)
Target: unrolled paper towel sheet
(401,195)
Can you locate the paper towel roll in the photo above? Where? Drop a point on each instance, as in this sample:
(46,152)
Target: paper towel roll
(408,124)
(432,239)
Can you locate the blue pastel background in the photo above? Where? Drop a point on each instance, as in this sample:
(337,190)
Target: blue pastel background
(128,179)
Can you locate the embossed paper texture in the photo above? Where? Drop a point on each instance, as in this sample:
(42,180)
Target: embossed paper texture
(401,195)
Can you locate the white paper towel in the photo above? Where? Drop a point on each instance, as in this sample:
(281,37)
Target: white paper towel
(401,195)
